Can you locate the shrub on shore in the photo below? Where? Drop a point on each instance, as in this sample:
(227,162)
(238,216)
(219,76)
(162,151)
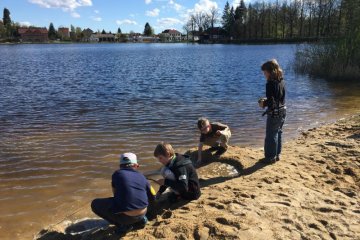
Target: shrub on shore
(330,60)
(339,58)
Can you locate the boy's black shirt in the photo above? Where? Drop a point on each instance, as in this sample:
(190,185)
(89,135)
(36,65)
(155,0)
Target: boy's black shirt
(187,181)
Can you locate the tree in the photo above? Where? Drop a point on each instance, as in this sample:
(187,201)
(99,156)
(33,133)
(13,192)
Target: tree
(103,31)
(119,31)
(52,32)
(190,27)
(148,30)
(226,18)
(79,34)
(213,16)
(231,21)
(6,17)
(240,18)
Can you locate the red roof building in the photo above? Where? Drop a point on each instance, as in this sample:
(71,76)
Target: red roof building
(64,33)
(33,34)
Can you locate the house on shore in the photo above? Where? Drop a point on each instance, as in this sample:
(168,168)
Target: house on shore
(33,34)
(215,34)
(99,37)
(87,35)
(148,39)
(133,37)
(170,35)
(193,36)
(64,33)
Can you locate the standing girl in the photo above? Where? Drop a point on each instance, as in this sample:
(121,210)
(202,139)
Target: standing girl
(276,110)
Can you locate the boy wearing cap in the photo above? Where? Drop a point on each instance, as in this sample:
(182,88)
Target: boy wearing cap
(131,191)
(216,135)
(179,174)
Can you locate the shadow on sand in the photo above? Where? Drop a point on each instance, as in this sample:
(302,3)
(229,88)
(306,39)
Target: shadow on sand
(100,229)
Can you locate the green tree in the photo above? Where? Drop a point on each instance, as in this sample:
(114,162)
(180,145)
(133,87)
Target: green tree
(52,32)
(226,18)
(119,31)
(6,17)
(79,34)
(72,33)
(103,31)
(148,31)
(7,23)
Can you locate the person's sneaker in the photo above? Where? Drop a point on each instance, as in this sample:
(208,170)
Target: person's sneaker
(220,152)
(122,229)
(141,224)
(269,161)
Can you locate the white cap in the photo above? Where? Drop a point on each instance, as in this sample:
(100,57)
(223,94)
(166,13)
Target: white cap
(128,158)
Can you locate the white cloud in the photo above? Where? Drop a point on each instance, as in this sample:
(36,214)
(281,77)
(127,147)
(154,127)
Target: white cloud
(168,22)
(126,22)
(75,15)
(175,5)
(205,6)
(63,4)
(96,11)
(97,19)
(26,24)
(148,1)
(153,13)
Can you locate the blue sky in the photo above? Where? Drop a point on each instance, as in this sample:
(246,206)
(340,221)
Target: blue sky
(108,14)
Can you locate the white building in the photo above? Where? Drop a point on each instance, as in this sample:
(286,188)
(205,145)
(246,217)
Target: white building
(170,35)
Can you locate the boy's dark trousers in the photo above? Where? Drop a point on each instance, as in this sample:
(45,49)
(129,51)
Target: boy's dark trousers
(102,208)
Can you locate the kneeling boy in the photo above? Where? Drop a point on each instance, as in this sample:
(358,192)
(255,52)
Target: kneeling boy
(216,135)
(179,173)
(131,196)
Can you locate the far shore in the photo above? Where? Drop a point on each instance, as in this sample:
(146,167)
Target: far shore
(237,41)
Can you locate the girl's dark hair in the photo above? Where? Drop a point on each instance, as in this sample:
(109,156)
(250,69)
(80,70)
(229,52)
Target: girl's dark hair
(273,67)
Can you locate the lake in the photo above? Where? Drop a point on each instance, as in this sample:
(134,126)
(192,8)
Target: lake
(68,111)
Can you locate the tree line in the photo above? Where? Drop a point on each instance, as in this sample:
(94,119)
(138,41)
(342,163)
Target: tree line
(9,30)
(274,19)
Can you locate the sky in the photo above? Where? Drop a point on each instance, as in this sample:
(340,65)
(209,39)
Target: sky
(129,15)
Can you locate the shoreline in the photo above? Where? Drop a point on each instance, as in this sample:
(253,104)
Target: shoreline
(206,42)
(311,193)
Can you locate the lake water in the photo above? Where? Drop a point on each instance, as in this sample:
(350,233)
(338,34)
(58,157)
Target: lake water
(67,111)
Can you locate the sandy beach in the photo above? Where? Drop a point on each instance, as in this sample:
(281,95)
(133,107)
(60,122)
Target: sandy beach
(311,193)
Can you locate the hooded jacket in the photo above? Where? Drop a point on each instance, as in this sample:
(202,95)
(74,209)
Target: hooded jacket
(186,179)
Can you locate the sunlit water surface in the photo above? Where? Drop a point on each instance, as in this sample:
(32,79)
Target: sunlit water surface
(67,111)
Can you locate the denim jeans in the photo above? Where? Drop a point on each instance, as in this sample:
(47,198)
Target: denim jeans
(273,139)
(103,208)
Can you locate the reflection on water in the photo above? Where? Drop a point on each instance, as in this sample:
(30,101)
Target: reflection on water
(67,111)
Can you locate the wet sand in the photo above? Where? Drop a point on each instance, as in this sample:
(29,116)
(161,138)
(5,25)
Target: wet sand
(311,193)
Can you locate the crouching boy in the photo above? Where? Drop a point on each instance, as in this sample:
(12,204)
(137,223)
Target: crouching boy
(132,192)
(179,174)
(216,135)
